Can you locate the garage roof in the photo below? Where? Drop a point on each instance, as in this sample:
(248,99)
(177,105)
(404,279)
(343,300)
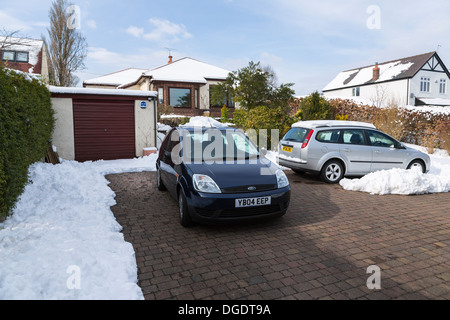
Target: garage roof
(107,92)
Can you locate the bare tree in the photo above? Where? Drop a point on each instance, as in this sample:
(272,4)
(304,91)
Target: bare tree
(67,47)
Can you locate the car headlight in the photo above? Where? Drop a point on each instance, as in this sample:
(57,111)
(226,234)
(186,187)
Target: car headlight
(204,183)
(282,180)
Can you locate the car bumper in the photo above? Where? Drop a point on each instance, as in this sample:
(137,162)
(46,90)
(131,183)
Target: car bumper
(220,208)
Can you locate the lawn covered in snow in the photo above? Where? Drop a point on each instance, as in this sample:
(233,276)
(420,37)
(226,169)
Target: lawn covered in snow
(63,241)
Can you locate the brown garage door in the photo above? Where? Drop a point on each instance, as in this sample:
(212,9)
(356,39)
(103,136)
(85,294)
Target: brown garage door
(103,129)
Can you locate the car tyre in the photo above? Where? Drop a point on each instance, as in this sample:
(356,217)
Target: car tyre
(332,172)
(185,218)
(417,164)
(159,184)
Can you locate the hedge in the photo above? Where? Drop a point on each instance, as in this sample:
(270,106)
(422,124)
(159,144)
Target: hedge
(26,125)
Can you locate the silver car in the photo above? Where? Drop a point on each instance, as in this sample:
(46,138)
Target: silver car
(336,149)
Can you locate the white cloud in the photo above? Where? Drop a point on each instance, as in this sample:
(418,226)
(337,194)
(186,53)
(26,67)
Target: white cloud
(163,31)
(91,24)
(10,23)
(135,31)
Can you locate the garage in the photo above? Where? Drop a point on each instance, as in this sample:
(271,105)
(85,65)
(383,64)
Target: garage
(103,124)
(104,129)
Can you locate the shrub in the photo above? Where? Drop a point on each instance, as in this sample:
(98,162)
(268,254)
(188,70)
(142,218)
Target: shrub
(263,119)
(26,125)
(224,114)
(315,107)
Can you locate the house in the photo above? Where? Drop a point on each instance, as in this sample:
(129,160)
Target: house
(183,84)
(94,124)
(418,80)
(26,55)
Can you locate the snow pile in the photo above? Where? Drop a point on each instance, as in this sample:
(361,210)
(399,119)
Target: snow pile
(201,121)
(404,182)
(63,241)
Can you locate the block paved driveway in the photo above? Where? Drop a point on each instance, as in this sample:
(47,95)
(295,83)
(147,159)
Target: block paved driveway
(320,249)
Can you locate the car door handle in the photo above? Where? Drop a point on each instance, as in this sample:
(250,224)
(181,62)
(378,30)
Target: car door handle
(346,150)
(377,151)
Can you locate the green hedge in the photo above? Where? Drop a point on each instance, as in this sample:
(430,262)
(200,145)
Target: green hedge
(26,125)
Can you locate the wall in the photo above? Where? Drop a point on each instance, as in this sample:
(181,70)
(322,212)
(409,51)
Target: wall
(144,125)
(381,93)
(63,134)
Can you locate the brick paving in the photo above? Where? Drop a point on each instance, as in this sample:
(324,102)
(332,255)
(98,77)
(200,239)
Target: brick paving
(320,249)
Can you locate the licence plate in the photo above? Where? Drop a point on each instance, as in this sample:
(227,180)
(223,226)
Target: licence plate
(253,202)
(287,149)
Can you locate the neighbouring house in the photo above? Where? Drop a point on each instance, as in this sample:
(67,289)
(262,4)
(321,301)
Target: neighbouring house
(183,84)
(26,55)
(417,80)
(94,124)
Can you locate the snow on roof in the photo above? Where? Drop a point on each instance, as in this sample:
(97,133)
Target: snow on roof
(117,78)
(187,70)
(391,70)
(101,91)
(330,123)
(32,46)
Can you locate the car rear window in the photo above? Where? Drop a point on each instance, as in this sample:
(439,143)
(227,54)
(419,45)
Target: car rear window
(296,134)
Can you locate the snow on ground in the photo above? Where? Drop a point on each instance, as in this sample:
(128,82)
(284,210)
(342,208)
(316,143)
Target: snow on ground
(406,182)
(63,241)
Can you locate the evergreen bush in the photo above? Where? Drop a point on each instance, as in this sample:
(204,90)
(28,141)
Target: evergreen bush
(26,125)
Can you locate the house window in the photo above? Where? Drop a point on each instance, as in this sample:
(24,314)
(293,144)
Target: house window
(356,91)
(443,86)
(226,101)
(21,56)
(8,55)
(161,95)
(14,56)
(179,97)
(424,84)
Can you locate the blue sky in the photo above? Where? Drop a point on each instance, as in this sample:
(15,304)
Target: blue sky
(306,42)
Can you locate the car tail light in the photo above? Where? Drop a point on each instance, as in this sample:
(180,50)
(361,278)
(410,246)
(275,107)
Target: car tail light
(308,136)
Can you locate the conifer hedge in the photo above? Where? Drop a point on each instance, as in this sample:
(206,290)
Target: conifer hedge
(26,125)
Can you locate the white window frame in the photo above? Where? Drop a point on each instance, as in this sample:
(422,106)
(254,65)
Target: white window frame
(356,92)
(425,84)
(443,86)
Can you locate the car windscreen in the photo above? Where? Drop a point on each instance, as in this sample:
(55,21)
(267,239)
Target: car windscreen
(217,145)
(296,134)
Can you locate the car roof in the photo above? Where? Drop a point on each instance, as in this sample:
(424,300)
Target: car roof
(194,128)
(311,124)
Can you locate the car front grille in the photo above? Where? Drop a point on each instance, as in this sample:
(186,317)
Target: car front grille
(242,212)
(254,188)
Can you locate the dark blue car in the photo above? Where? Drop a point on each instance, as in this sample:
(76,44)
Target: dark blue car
(219,175)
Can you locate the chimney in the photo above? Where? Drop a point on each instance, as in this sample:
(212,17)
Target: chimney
(376,72)
(170,59)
